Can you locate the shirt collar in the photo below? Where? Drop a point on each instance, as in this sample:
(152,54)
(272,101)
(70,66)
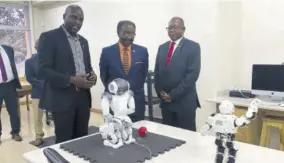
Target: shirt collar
(122,46)
(177,41)
(68,34)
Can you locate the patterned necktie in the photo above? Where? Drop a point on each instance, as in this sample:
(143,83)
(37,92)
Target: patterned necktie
(170,53)
(3,70)
(125,61)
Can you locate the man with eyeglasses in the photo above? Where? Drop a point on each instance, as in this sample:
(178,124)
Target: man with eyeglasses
(176,72)
(127,61)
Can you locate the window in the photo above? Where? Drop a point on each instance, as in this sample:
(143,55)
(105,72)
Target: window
(15,32)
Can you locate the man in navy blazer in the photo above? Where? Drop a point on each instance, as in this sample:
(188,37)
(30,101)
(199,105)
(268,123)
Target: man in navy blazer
(127,61)
(177,69)
(9,82)
(65,65)
(33,77)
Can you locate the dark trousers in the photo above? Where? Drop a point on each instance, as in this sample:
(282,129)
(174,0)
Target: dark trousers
(136,117)
(9,95)
(184,120)
(74,122)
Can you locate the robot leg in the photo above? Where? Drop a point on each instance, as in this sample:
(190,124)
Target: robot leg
(232,150)
(220,150)
(126,131)
(110,136)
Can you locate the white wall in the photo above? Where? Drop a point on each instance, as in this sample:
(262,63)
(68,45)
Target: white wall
(229,33)
(262,37)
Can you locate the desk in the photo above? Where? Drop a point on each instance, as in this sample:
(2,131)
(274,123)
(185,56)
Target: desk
(25,91)
(198,149)
(252,133)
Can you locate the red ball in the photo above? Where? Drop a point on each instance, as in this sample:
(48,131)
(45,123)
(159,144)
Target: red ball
(142,131)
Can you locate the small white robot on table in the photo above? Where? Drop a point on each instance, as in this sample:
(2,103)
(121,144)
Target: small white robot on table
(117,128)
(225,125)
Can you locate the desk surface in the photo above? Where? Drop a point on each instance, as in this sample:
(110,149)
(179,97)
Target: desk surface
(243,102)
(197,149)
(25,85)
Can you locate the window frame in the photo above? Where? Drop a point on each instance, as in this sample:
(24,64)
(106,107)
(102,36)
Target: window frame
(28,26)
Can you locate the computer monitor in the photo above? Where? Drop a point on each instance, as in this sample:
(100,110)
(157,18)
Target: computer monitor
(268,80)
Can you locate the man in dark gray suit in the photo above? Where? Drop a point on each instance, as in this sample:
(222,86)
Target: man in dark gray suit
(177,69)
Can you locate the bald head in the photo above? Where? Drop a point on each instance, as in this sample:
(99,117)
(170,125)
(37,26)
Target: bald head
(73,19)
(178,20)
(72,8)
(176,28)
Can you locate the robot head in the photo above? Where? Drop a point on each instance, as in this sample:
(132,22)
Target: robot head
(226,107)
(118,86)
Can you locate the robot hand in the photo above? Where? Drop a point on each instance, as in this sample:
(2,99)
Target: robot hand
(207,127)
(253,109)
(204,130)
(108,118)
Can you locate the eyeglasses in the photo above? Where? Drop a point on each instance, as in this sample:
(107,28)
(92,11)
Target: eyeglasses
(173,28)
(132,34)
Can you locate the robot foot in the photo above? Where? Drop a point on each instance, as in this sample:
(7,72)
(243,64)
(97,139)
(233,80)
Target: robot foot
(130,140)
(219,158)
(115,146)
(231,160)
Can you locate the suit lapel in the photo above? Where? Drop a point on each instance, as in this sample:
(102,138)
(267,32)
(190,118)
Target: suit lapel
(133,57)
(66,44)
(83,46)
(177,52)
(117,58)
(178,48)
(164,53)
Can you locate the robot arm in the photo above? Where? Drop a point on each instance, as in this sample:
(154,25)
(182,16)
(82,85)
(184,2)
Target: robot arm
(250,114)
(131,103)
(106,99)
(252,110)
(208,126)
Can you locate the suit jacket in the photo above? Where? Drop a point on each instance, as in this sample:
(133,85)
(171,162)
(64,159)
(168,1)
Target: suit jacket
(111,68)
(56,66)
(10,52)
(179,79)
(33,77)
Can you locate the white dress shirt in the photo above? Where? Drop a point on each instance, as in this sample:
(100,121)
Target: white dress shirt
(176,44)
(7,65)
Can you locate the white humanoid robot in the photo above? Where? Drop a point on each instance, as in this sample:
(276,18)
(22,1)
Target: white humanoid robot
(225,125)
(117,129)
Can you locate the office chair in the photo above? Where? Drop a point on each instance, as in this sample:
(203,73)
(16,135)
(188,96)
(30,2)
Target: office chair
(150,100)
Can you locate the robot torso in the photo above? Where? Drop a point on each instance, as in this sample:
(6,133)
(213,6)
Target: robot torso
(119,104)
(224,124)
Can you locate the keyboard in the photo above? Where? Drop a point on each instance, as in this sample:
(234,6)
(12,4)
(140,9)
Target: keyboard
(241,94)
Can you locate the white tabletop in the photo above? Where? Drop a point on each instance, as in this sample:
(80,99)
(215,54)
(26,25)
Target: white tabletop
(198,149)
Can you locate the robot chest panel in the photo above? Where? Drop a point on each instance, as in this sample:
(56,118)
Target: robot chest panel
(119,104)
(224,124)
